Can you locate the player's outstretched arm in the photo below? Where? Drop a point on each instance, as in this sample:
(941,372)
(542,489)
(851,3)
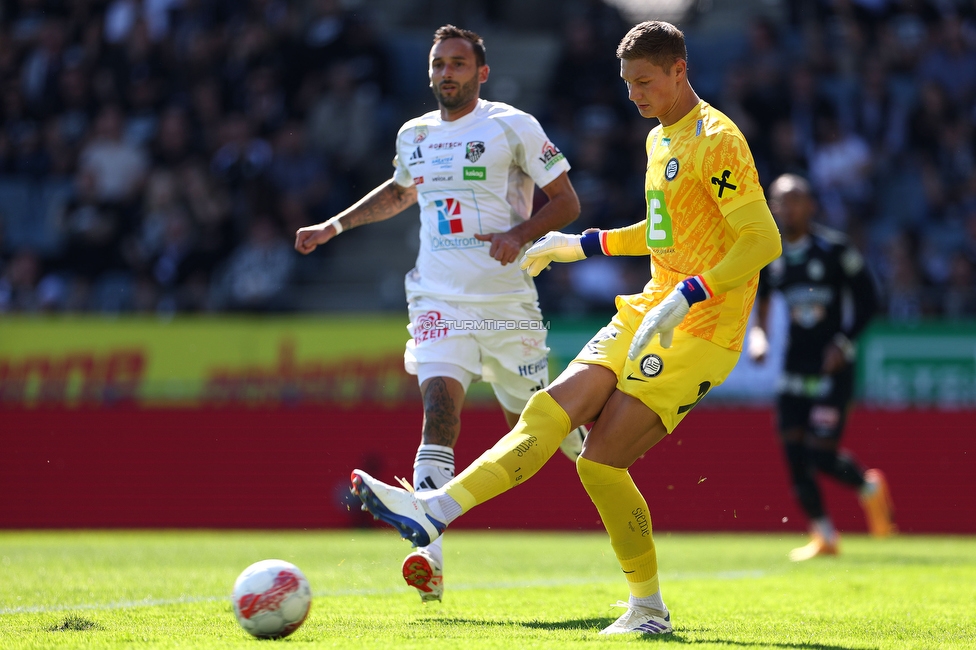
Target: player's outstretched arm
(562,209)
(558,247)
(384,202)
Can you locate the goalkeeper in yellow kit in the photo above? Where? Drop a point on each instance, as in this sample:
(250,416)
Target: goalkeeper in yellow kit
(708,232)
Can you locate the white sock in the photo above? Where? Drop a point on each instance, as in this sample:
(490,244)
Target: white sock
(442,506)
(432,469)
(653,601)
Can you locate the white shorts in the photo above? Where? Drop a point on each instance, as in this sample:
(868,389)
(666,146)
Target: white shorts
(503,344)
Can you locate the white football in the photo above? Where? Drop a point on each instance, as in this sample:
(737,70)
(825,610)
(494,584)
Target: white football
(271,599)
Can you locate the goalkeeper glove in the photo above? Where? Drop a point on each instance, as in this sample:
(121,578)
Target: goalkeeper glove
(558,247)
(668,314)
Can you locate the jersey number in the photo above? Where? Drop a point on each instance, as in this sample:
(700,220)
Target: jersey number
(659,233)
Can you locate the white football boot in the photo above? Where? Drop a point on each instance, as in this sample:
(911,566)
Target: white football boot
(422,571)
(572,444)
(643,620)
(397,507)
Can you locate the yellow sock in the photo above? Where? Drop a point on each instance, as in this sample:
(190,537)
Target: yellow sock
(516,457)
(624,514)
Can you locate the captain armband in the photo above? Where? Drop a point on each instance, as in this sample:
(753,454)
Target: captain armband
(594,243)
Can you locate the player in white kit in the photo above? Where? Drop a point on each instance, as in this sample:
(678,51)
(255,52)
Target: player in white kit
(472,166)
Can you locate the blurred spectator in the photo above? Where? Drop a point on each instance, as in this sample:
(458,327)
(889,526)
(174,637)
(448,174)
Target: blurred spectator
(171,145)
(959,295)
(786,155)
(242,156)
(298,172)
(180,120)
(951,62)
(116,168)
(877,114)
(43,65)
(342,124)
(907,295)
(19,280)
(257,273)
(92,230)
(840,170)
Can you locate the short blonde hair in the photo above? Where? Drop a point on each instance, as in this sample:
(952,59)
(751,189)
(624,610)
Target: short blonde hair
(659,42)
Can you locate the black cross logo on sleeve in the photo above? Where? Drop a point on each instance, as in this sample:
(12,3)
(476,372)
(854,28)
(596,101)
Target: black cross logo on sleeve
(723,183)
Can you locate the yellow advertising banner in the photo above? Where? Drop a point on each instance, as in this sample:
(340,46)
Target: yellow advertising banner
(204,360)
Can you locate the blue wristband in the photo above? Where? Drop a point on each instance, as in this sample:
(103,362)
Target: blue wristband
(694,289)
(590,242)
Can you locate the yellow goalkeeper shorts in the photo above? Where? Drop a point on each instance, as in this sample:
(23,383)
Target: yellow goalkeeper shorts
(670,381)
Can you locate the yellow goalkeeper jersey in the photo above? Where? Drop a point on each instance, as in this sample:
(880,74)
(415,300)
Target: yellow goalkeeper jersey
(699,170)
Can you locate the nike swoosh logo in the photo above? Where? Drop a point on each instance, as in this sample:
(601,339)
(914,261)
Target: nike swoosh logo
(628,571)
(631,376)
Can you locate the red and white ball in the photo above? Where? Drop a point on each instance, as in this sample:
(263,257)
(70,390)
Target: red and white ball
(271,599)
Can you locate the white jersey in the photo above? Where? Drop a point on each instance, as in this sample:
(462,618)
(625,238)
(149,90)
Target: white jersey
(473,175)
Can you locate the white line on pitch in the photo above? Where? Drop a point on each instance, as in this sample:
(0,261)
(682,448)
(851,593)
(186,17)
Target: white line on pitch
(333,593)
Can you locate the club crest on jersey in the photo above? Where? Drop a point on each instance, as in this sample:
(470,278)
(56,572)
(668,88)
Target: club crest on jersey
(420,134)
(473,150)
(671,170)
(651,365)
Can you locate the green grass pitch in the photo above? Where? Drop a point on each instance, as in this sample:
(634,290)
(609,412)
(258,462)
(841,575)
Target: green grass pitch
(505,590)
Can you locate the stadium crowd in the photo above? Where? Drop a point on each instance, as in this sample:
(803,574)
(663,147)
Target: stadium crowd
(156,156)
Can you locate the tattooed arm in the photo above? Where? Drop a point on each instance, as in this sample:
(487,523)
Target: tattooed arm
(385,202)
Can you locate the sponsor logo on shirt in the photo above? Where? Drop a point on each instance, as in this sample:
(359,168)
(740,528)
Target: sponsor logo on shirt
(659,233)
(550,155)
(419,180)
(443,162)
(449,216)
(425,327)
(531,369)
(723,183)
(444,145)
(455,225)
(442,178)
(416,157)
(473,150)
(475,174)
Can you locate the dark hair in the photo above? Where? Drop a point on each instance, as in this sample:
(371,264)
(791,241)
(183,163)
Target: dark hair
(450,31)
(659,42)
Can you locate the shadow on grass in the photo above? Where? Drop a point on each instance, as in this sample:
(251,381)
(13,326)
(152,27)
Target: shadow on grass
(597,624)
